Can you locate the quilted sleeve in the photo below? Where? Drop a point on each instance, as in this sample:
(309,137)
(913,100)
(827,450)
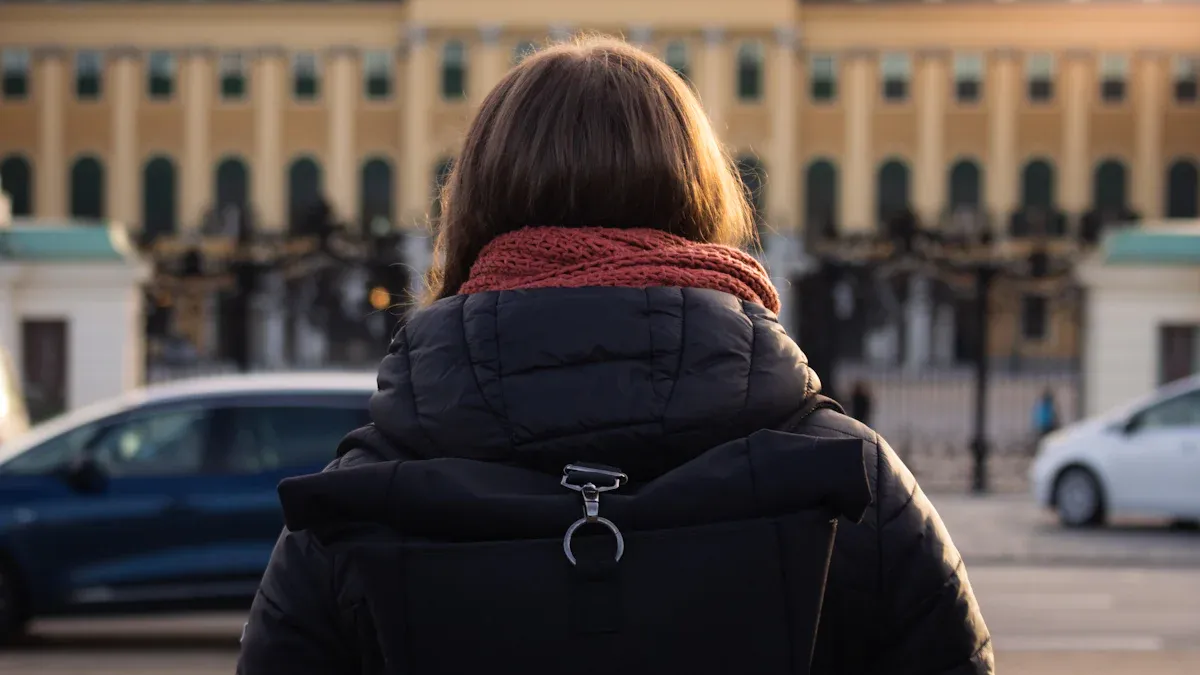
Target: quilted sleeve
(293,625)
(930,619)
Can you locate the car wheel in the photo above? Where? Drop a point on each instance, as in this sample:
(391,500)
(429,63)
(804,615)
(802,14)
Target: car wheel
(1078,498)
(12,614)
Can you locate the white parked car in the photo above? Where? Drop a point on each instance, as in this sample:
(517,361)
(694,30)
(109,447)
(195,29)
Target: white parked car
(1142,459)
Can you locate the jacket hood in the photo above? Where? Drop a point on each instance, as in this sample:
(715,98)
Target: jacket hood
(624,376)
(767,474)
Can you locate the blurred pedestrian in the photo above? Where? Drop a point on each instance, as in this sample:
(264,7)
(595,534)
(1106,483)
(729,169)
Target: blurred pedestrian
(860,402)
(564,471)
(1045,414)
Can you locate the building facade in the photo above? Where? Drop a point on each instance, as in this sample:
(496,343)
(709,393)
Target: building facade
(162,114)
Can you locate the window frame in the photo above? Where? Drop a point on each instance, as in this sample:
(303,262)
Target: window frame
(816,93)
(300,60)
(459,69)
(971,65)
(160,59)
(91,57)
(895,87)
(1113,76)
(228,74)
(21,58)
(378,67)
(1039,81)
(1041,302)
(683,70)
(1185,80)
(755,94)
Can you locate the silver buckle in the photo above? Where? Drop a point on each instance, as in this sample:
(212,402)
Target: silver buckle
(591,505)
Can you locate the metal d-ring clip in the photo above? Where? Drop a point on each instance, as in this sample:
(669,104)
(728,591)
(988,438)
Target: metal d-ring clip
(591,501)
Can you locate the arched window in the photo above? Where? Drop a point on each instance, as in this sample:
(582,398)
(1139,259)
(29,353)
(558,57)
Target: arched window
(441,173)
(751,171)
(676,56)
(233,183)
(1109,187)
(376,194)
(523,49)
(233,195)
(304,191)
(821,197)
(454,70)
(158,198)
(1183,181)
(1037,185)
(892,194)
(750,71)
(16,178)
(87,188)
(965,192)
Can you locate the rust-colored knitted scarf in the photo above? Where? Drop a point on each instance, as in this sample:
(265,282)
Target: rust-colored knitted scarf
(568,257)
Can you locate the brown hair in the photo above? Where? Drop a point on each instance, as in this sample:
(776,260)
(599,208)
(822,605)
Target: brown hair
(592,133)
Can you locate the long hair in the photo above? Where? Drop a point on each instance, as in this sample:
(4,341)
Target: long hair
(591,133)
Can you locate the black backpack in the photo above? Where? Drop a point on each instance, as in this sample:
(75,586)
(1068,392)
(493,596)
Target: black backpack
(455,566)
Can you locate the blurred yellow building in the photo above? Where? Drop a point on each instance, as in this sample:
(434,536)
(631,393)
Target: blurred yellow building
(158,114)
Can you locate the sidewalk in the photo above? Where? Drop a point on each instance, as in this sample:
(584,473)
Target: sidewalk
(1011,529)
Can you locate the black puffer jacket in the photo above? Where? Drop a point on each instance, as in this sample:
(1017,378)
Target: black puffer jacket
(543,378)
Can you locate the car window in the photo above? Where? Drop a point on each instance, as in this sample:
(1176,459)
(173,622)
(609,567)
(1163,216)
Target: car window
(155,443)
(1181,411)
(273,437)
(53,454)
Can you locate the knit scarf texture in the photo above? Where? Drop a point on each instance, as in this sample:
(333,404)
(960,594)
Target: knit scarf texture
(568,257)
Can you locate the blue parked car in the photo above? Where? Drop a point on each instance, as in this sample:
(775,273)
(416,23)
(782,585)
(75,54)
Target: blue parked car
(163,499)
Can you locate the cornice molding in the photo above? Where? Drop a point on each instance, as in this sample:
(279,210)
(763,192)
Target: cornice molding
(124,52)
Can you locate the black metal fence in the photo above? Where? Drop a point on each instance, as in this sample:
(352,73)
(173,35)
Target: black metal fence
(927,417)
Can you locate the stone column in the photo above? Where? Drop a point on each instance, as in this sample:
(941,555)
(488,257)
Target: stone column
(783,185)
(343,97)
(10,313)
(857,190)
(268,172)
(930,175)
(493,62)
(50,183)
(1003,96)
(1078,91)
(782,154)
(714,85)
(1148,169)
(416,171)
(123,183)
(197,177)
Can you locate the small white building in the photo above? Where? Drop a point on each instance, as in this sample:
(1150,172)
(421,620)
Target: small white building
(71,314)
(1142,318)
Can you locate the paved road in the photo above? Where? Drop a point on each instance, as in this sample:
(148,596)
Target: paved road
(1011,529)
(1045,620)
